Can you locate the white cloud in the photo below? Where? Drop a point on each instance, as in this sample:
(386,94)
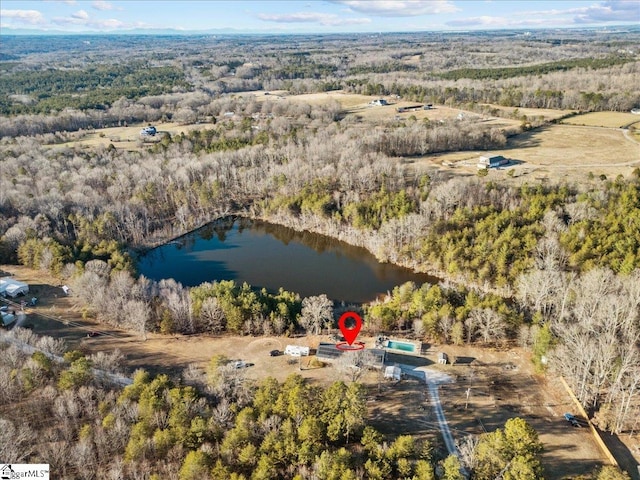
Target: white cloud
(327,19)
(399,8)
(80,15)
(29,17)
(603,12)
(490,22)
(82,19)
(610,11)
(483,20)
(102,5)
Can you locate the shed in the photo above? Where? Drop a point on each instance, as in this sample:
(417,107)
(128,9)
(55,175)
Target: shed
(392,373)
(443,358)
(10,287)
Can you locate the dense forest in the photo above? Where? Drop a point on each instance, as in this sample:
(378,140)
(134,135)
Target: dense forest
(553,267)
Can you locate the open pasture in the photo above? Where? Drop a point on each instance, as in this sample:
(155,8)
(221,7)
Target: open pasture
(555,151)
(127,138)
(604,119)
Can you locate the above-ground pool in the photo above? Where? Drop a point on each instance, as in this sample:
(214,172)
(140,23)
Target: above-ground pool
(408,347)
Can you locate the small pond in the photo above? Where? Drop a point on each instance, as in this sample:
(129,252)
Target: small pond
(273,256)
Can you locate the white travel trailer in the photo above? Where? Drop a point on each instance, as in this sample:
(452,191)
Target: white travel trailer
(296,351)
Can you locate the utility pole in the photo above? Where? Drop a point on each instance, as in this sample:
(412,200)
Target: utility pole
(468,390)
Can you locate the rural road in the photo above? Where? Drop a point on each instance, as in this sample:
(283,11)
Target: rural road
(434,379)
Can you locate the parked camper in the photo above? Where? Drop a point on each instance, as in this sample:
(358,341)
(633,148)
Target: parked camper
(296,351)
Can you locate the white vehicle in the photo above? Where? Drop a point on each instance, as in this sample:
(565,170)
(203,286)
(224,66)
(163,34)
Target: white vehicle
(296,351)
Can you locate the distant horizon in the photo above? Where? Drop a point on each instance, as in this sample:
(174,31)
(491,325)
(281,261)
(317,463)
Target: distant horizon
(188,17)
(231,32)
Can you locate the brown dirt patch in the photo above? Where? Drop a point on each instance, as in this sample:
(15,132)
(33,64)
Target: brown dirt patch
(503,385)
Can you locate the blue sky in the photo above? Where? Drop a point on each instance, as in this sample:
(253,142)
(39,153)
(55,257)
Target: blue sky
(312,16)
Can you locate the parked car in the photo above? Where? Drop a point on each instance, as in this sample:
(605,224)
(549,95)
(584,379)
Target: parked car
(572,420)
(275,353)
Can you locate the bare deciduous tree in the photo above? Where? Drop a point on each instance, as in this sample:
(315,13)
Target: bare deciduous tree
(317,312)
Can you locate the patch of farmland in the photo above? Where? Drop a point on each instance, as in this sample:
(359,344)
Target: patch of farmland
(604,119)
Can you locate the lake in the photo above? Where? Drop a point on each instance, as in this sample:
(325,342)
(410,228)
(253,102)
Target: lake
(273,256)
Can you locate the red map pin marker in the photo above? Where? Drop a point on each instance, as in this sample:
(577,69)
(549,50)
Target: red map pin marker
(350,334)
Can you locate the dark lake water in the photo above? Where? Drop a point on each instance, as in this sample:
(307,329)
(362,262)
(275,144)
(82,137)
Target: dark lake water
(272,256)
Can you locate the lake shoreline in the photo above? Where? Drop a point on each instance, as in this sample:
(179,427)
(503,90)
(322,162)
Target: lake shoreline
(273,255)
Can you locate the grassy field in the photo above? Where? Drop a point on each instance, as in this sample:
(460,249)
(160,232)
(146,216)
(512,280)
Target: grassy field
(604,119)
(360,106)
(555,151)
(128,138)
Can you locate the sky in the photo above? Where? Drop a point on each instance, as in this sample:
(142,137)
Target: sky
(311,16)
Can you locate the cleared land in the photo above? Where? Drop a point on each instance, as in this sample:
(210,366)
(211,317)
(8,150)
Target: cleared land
(572,150)
(604,119)
(128,138)
(502,382)
(555,151)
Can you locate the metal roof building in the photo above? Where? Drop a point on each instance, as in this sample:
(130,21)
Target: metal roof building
(372,357)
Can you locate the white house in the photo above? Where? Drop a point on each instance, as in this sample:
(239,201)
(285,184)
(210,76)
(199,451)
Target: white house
(491,161)
(392,373)
(149,131)
(10,287)
(296,351)
(379,102)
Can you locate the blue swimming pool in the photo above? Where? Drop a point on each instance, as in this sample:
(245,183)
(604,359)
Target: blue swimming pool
(402,346)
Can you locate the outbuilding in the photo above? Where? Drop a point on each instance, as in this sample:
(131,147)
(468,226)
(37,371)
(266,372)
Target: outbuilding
(10,287)
(443,358)
(491,161)
(392,373)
